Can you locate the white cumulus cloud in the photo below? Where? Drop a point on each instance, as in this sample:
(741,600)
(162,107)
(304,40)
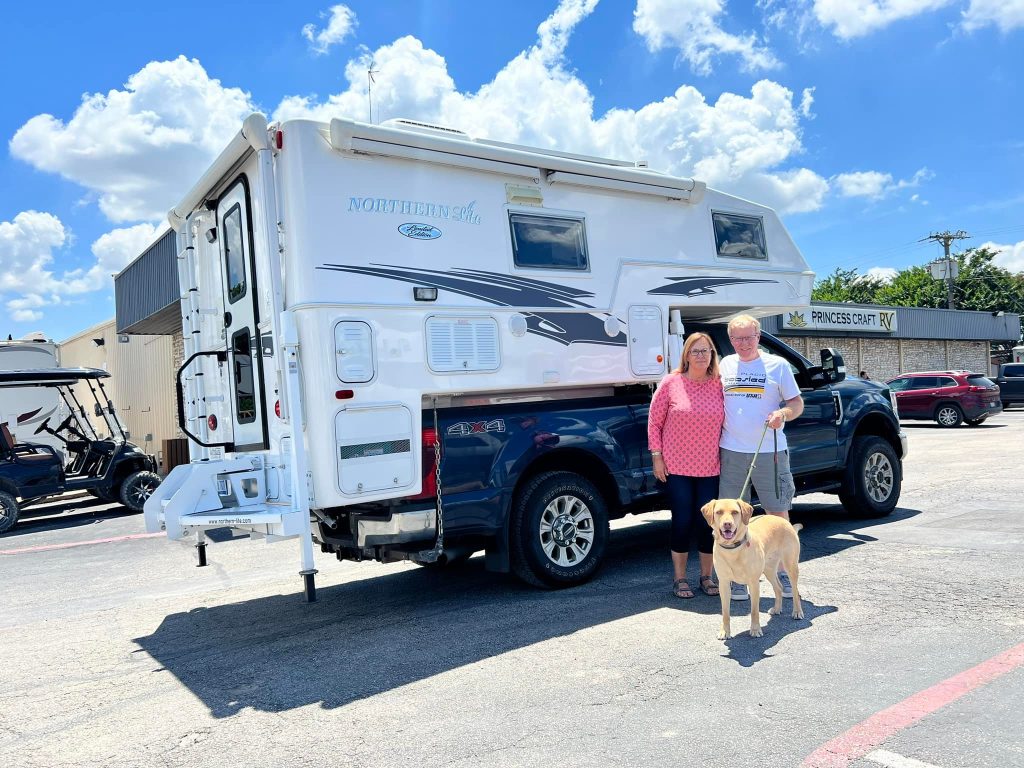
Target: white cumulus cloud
(31,246)
(141,148)
(341,22)
(1007,15)
(849,19)
(876,185)
(693,27)
(743,144)
(1010,257)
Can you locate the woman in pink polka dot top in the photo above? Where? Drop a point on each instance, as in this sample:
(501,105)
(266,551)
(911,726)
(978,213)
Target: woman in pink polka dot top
(683,430)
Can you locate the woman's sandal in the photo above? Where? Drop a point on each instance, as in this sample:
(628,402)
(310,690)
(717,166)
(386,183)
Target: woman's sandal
(681,589)
(708,586)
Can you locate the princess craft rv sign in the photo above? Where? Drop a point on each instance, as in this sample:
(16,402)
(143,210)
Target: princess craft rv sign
(840,319)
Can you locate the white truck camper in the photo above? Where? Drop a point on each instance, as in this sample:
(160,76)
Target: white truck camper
(344,283)
(25,409)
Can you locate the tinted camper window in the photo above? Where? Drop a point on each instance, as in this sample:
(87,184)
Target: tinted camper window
(233,254)
(548,242)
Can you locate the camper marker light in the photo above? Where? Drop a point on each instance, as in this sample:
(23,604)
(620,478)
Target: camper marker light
(211,421)
(277,408)
(344,394)
(661,359)
(279,139)
(419,293)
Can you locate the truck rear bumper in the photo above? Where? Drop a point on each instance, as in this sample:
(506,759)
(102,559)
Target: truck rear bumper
(400,528)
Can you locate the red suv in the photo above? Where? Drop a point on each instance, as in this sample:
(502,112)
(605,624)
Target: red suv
(949,397)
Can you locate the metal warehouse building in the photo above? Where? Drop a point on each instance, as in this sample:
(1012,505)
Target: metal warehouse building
(886,341)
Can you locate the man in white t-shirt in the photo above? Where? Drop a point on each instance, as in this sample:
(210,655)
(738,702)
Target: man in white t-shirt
(759,388)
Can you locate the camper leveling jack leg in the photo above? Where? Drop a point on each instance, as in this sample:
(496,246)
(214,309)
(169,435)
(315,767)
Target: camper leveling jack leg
(201,548)
(309,584)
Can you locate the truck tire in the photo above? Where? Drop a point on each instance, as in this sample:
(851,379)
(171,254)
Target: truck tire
(559,530)
(873,479)
(138,487)
(8,512)
(949,415)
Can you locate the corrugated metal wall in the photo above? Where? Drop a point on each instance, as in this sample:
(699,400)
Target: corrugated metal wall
(141,384)
(146,291)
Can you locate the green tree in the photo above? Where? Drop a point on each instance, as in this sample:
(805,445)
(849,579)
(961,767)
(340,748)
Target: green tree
(981,286)
(846,285)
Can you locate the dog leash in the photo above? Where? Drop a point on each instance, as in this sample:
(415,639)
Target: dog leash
(753,461)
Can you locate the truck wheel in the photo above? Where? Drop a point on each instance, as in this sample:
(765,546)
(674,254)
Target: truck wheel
(949,416)
(874,476)
(8,512)
(559,530)
(138,487)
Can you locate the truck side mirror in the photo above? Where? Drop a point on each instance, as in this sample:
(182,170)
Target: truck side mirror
(832,365)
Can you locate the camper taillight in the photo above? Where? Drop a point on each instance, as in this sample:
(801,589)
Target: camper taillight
(429,465)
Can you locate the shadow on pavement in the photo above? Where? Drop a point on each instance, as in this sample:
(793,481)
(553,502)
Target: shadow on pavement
(70,513)
(379,633)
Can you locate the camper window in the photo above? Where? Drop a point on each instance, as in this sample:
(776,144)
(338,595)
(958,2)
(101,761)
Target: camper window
(739,237)
(245,389)
(548,242)
(233,255)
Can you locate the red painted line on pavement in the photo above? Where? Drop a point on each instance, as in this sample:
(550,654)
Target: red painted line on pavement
(46,547)
(864,737)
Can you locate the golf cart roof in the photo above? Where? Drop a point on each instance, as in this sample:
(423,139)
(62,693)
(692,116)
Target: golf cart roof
(49,377)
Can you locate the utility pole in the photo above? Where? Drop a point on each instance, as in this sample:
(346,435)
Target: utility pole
(946,238)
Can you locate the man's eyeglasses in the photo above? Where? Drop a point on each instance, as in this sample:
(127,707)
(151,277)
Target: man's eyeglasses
(700,352)
(744,339)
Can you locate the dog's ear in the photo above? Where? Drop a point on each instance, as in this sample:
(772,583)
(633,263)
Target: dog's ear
(708,510)
(746,511)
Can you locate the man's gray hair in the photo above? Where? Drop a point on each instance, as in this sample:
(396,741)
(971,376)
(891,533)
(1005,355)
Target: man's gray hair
(742,321)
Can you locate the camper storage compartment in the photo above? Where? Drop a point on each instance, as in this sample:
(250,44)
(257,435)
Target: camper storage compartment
(374,448)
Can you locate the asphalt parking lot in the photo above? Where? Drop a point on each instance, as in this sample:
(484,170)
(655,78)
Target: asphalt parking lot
(118,651)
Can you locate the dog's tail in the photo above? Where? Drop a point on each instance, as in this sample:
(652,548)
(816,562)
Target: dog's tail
(797,527)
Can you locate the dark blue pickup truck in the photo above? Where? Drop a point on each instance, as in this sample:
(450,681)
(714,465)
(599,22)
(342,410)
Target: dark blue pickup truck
(534,482)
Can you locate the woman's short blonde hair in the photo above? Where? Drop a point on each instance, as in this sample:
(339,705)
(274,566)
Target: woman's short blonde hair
(693,338)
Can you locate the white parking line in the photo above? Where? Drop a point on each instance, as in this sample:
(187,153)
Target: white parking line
(892,760)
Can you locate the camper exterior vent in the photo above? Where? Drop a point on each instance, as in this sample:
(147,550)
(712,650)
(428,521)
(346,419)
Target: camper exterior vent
(436,130)
(462,344)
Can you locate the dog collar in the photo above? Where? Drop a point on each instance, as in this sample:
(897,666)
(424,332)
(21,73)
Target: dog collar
(739,543)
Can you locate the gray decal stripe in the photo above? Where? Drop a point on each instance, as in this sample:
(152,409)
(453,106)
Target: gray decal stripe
(364,450)
(565,328)
(699,286)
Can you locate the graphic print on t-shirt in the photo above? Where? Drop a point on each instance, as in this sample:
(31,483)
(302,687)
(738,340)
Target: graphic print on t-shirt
(744,384)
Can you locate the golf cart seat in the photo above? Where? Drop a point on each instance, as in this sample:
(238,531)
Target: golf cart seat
(15,451)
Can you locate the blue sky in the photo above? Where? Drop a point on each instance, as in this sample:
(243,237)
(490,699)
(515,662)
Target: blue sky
(867,123)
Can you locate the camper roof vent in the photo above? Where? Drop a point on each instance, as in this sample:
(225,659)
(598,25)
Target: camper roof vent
(418,127)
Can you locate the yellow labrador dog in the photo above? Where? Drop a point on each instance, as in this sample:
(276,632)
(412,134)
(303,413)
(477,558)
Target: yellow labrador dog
(744,549)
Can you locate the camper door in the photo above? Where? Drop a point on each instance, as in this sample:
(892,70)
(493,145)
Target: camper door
(241,319)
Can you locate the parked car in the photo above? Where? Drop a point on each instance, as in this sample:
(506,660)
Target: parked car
(110,468)
(949,397)
(1011,383)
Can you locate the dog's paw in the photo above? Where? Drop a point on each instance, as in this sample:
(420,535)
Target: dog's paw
(773,611)
(756,632)
(723,635)
(798,612)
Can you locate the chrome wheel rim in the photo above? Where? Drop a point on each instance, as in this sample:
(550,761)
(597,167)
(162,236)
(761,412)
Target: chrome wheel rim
(947,417)
(141,490)
(879,477)
(566,530)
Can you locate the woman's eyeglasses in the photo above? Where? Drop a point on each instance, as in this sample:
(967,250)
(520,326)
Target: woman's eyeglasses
(700,352)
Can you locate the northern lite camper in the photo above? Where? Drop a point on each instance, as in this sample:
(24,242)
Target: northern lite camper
(406,343)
